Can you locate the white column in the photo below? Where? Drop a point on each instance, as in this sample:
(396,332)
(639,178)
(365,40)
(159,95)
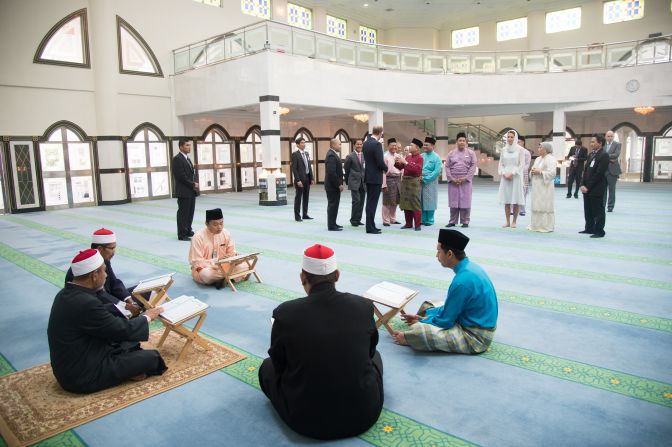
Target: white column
(272,183)
(104,62)
(375,119)
(441,129)
(559,127)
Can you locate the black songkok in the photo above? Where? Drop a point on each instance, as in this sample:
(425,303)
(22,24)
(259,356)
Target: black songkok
(416,142)
(214,214)
(453,239)
(430,140)
(391,140)
(461,135)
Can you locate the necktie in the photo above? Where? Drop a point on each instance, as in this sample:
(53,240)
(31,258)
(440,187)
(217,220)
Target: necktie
(305,160)
(359,156)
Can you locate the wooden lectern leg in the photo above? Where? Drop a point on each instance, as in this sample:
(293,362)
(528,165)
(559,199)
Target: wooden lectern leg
(166,331)
(383,319)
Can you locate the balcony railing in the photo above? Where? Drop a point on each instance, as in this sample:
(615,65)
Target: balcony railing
(279,37)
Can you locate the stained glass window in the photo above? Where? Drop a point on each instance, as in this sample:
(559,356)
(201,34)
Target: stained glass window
(337,27)
(512,29)
(622,11)
(565,20)
(299,16)
(467,37)
(367,35)
(257,8)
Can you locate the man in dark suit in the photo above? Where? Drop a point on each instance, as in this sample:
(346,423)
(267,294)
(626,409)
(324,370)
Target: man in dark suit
(613,149)
(302,172)
(593,185)
(577,158)
(374,168)
(354,178)
(333,183)
(186,190)
(324,376)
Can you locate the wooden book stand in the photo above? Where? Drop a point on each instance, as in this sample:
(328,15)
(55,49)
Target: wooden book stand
(239,266)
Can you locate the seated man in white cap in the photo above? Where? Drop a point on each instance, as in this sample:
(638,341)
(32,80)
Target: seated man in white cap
(211,243)
(324,376)
(115,295)
(90,349)
(467,320)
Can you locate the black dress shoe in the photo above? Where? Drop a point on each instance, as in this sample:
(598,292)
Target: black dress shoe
(361,223)
(355,224)
(450,225)
(184,238)
(219,284)
(585,232)
(191,233)
(465,225)
(569,196)
(610,210)
(386,225)
(396,223)
(307,218)
(418,228)
(406,227)
(576,196)
(597,235)
(298,219)
(335,229)
(376,231)
(339,226)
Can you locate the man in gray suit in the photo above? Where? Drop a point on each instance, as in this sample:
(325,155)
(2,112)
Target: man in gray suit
(613,149)
(354,178)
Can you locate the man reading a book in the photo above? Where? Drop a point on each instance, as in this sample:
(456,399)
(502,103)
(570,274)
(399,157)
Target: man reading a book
(324,376)
(210,244)
(114,295)
(90,349)
(466,322)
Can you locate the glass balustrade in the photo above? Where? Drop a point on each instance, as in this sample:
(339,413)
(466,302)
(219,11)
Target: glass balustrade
(279,37)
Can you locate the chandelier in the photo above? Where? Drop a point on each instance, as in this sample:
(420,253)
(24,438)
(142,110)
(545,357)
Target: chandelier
(361,117)
(644,110)
(283,111)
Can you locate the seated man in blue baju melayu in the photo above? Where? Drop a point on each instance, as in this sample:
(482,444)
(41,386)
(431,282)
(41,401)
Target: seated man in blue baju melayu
(466,322)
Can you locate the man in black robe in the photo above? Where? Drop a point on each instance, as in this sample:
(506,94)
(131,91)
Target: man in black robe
(114,295)
(90,349)
(324,376)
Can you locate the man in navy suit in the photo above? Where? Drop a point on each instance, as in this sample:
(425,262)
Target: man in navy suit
(613,149)
(302,173)
(577,157)
(374,169)
(186,190)
(333,183)
(593,185)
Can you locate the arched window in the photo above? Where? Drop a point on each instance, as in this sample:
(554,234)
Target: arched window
(662,156)
(66,43)
(147,158)
(67,173)
(631,157)
(214,160)
(251,154)
(135,55)
(343,137)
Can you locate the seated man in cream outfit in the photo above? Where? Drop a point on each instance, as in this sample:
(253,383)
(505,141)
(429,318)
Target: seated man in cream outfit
(208,245)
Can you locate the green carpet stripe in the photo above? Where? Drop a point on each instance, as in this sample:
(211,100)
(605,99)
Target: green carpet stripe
(65,439)
(601,313)
(614,278)
(391,429)
(633,386)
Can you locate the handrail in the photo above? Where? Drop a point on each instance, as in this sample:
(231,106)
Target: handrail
(268,35)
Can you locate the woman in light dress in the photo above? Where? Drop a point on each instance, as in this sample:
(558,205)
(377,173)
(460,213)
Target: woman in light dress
(543,190)
(511,166)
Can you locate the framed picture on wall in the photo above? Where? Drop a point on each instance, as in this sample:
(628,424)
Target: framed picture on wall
(22,159)
(55,191)
(224,180)
(224,154)
(79,156)
(51,156)
(139,185)
(136,155)
(206,180)
(247,177)
(159,183)
(82,189)
(205,154)
(157,154)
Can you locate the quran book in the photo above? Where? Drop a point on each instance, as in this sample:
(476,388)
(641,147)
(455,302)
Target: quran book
(181,308)
(389,294)
(153,283)
(236,258)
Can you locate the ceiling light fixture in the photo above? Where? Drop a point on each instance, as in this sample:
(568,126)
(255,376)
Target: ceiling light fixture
(644,110)
(361,117)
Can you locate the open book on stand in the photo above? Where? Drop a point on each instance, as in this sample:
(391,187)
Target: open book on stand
(238,257)
(153,283)
(390,295)
(182,308)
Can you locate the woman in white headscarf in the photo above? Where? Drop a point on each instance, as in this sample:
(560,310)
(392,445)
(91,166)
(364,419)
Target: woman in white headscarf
(511,167)
(543,190)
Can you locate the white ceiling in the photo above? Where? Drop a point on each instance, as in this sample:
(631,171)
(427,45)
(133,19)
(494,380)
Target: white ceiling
(437,14)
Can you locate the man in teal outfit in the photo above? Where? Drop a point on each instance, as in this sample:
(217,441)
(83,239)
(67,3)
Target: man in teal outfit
(466,322)
(431,169)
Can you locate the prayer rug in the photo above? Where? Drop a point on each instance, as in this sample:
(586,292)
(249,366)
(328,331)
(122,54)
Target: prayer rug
(34,406)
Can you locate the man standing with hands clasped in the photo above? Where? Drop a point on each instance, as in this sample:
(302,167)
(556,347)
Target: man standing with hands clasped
(375,168)
(302,172)
(333,183)
(354,178)
(593,186)
(186,190)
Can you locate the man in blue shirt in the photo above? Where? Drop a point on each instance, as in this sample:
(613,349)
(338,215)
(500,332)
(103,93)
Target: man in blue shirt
(467,321)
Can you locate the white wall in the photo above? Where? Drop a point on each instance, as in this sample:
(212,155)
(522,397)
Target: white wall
(412,37)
